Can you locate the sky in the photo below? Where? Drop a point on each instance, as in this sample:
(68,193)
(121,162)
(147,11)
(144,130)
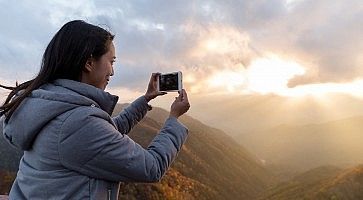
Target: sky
(232,47)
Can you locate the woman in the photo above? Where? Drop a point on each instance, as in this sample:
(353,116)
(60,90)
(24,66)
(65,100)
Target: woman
(61,119)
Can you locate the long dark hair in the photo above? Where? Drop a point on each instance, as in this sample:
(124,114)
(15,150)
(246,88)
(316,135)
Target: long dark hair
(64,58)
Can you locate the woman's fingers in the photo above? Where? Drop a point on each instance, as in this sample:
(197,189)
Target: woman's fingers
(185,96)
(180,97)
(154,77)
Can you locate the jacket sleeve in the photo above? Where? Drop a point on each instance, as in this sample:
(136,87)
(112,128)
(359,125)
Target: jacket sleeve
(131,115)
(92,146)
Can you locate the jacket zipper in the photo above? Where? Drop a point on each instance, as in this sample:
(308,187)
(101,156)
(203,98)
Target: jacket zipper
(109,192)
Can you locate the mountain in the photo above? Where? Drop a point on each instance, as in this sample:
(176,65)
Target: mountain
(308,146)
(325,182)
(211,165)
(210,158)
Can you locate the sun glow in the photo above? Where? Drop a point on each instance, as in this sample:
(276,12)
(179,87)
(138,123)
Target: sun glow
(263,75)
(353,88)
(271,74)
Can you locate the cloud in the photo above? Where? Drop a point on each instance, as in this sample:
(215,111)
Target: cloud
(324,35)
(199,37)
(335,44)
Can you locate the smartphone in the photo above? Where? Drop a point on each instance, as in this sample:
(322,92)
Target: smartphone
(170,82)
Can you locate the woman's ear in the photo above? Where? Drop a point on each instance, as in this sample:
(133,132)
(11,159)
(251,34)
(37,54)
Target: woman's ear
(88,67)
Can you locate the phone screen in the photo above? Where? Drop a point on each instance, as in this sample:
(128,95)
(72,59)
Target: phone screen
(168,82)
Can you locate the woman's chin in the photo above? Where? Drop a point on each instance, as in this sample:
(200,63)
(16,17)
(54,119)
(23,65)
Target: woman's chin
(104,87)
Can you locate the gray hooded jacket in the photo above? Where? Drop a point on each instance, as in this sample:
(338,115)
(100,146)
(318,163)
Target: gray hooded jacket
(73,149)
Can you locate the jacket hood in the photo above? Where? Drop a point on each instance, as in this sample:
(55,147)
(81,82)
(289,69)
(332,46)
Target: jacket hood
(48,102)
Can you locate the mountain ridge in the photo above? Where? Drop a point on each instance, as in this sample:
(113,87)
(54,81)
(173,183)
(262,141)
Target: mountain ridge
(325,182)
(310,145)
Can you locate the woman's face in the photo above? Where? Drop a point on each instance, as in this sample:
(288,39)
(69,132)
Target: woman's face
(99,71)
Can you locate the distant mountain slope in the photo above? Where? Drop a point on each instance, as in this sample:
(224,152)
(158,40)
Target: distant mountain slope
(321,183)
(308,146)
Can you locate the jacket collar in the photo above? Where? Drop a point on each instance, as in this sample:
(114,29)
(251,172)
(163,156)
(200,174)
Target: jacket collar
(100,98)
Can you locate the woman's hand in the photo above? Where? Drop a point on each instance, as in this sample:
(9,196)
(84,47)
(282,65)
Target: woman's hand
(180,105)
(152,90)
